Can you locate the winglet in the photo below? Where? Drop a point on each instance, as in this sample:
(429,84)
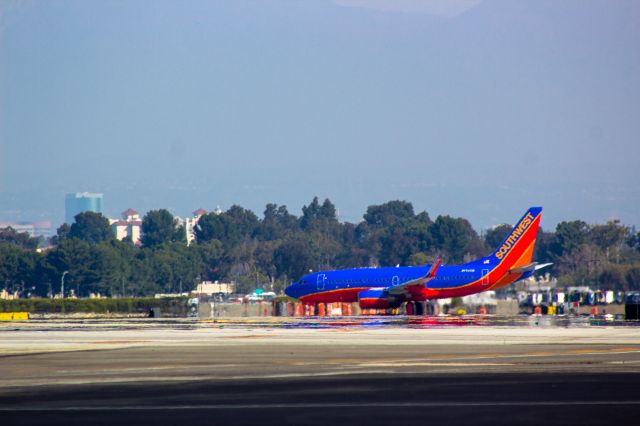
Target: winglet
(534,266)
(544,265)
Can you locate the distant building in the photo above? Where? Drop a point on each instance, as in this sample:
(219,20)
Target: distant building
(190,224)
(5,295)
(80,202)
(209,288)
(34,229)
(127,227)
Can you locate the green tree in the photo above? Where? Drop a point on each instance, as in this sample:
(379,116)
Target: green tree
(403,239)
(568,237)
(264,258)
(219,227)
(76,257)
(211,254)
(612,277)
(112,261)
(633,240)
(633,278)
(277,223)
(542,250)
(389,213)
(294,258)
(62,233)
(610,237)
(159,227)
(91,227)
(369,240)
(320,218)
(17,267)
(495,236)
(244,221)
(419,259)
(350,253)
(310,214)
(454,236)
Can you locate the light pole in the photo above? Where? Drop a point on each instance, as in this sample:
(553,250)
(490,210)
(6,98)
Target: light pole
(62,282)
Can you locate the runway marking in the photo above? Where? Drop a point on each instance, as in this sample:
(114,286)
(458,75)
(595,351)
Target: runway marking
(21,383)
(432,360)
(438,364)
(141,369)
(249,336)
(324,405)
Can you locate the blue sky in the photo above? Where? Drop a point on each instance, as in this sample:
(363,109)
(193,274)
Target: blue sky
(471,108)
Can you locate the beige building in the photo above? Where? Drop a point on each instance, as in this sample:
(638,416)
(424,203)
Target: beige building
(128,227)
(5,295)
(207,287)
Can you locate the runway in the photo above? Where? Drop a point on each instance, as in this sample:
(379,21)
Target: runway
(244,372)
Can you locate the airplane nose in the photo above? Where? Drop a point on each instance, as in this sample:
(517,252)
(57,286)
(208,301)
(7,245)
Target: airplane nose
(289,291)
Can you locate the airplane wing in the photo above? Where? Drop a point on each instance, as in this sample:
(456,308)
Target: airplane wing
(534,266)
(399,289)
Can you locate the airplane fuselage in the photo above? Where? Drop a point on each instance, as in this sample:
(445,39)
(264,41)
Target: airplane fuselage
(345,285)
(390,286)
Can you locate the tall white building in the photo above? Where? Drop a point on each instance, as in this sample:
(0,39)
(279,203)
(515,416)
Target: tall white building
(190,224)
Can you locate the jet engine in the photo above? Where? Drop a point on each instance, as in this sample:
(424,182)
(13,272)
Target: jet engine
(376,298)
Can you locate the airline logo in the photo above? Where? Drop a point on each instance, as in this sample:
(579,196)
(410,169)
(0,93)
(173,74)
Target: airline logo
(515,235)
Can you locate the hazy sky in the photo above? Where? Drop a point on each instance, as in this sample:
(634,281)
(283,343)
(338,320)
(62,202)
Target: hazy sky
(471,108)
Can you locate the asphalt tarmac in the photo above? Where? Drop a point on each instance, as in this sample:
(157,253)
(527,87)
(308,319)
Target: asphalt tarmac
(227,373)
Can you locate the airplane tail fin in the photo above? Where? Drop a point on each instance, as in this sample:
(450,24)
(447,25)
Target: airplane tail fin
(516,250)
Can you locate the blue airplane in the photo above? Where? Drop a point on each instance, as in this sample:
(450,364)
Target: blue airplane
(388,287)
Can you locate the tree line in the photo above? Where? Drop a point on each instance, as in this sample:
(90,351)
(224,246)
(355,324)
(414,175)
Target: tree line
(279,247)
